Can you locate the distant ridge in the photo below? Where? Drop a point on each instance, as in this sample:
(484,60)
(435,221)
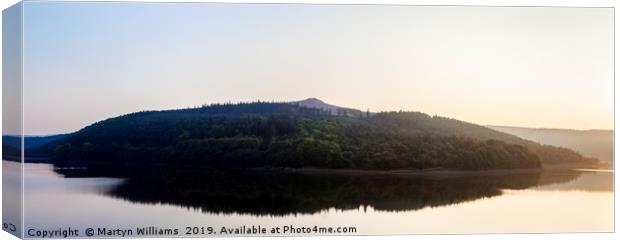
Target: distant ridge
(335,110)
(592,143)
(31,141)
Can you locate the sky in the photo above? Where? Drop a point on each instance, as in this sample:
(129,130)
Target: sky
(513,66)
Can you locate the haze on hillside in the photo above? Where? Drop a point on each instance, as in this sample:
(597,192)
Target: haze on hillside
(512,66)
(591,143)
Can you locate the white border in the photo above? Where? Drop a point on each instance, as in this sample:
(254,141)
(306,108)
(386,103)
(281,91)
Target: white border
(574,3)
(565,3)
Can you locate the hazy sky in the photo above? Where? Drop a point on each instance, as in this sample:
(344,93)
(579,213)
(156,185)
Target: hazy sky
(531,67)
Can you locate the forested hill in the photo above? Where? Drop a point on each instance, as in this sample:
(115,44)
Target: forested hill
(264,134)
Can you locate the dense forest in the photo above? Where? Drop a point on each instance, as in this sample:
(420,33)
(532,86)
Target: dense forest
(260,134)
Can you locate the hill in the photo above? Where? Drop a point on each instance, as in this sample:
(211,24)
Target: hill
(261,134)
(30,141)
(591,143)
(36,148)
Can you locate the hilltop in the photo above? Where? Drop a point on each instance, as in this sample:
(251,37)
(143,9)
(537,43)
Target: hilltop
(333,109)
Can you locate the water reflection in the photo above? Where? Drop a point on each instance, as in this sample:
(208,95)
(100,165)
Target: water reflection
(588,180)
(280,193)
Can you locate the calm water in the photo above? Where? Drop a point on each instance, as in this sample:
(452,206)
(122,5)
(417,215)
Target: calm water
(551,201)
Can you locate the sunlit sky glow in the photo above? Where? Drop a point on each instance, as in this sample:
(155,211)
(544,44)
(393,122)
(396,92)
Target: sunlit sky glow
(515,66)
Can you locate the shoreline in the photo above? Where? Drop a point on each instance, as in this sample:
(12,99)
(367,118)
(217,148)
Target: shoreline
(431,172)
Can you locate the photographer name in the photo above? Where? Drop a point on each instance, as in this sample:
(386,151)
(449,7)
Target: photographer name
(140,231)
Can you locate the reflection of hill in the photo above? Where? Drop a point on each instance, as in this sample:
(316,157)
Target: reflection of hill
(587,181)
(288,193)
